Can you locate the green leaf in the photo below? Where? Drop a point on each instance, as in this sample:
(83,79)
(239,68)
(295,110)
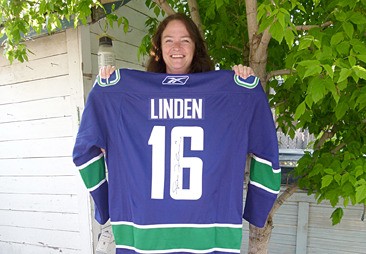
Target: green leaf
(300,110)
(301,7)
(362,181)
(277,32)
(360,71)
(261,12)
(358,18)
(326,180)
(361,58)
(337,216)
(316,170)
(358,46)
(312,70)
(352,60)
(309,100)
(329,171)
(359,171)
(343,48)
(360,193)
(338,178)
(281,18)
(348,189)
(329,70)
(353,180)
(305,42)
(341,109)
(330,86)
(157,11)
(336,38)
(344,74)
(317,89)
(340,15)
(345,201)
(309,63)
(345,178)
(361,101)
(342,85)
(289,37)
(219,3)
(348,29)
(265,22)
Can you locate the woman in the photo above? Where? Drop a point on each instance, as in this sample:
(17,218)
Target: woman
(178,48)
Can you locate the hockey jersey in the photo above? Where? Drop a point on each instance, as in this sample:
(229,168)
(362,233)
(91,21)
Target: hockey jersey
(176,149)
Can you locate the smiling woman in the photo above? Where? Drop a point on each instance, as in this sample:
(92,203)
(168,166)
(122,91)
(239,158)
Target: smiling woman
(178,47)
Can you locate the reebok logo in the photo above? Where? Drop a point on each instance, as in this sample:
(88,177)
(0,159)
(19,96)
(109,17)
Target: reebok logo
(175,80)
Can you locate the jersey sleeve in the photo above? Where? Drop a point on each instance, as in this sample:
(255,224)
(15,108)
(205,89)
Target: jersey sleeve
(88,157)
(265,173)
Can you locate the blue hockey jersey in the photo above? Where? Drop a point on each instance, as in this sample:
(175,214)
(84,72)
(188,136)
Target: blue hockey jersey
(176,149)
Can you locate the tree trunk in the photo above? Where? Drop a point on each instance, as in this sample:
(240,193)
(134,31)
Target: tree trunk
(193,9)
(259,237)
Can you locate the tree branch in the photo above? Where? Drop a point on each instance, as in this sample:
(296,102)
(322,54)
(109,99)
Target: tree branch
(193,8)
(338,147)
(233,47)
(107,1)
(165,6)
(308,27)
(283,197)
(266,37)
(326,135)
(278,73)
(251,11)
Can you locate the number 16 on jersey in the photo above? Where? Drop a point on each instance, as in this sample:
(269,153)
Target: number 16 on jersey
(177,162)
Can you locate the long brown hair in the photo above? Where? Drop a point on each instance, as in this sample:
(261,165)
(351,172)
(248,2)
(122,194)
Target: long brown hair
(201,61)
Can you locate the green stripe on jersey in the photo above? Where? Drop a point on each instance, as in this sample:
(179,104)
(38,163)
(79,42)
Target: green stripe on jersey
(109,82)
(264,176)
(242,83)
(174,237)
(93,172)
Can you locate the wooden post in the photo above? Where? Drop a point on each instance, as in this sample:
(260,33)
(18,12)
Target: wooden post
(74,51)
(302,228)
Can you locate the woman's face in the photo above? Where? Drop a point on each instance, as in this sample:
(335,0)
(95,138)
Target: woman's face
(177,48)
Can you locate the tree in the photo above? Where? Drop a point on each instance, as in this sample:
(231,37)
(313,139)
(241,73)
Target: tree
(316,46)
(19,20)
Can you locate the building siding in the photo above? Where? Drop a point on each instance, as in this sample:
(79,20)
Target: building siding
(39,210)
(302,226)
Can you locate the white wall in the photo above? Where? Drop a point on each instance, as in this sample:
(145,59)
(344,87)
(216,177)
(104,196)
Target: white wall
(40,199)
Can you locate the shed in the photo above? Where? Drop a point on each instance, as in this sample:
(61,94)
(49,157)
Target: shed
(44,206)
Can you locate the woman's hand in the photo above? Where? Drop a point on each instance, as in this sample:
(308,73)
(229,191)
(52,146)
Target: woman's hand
(106,71)
(243,71)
